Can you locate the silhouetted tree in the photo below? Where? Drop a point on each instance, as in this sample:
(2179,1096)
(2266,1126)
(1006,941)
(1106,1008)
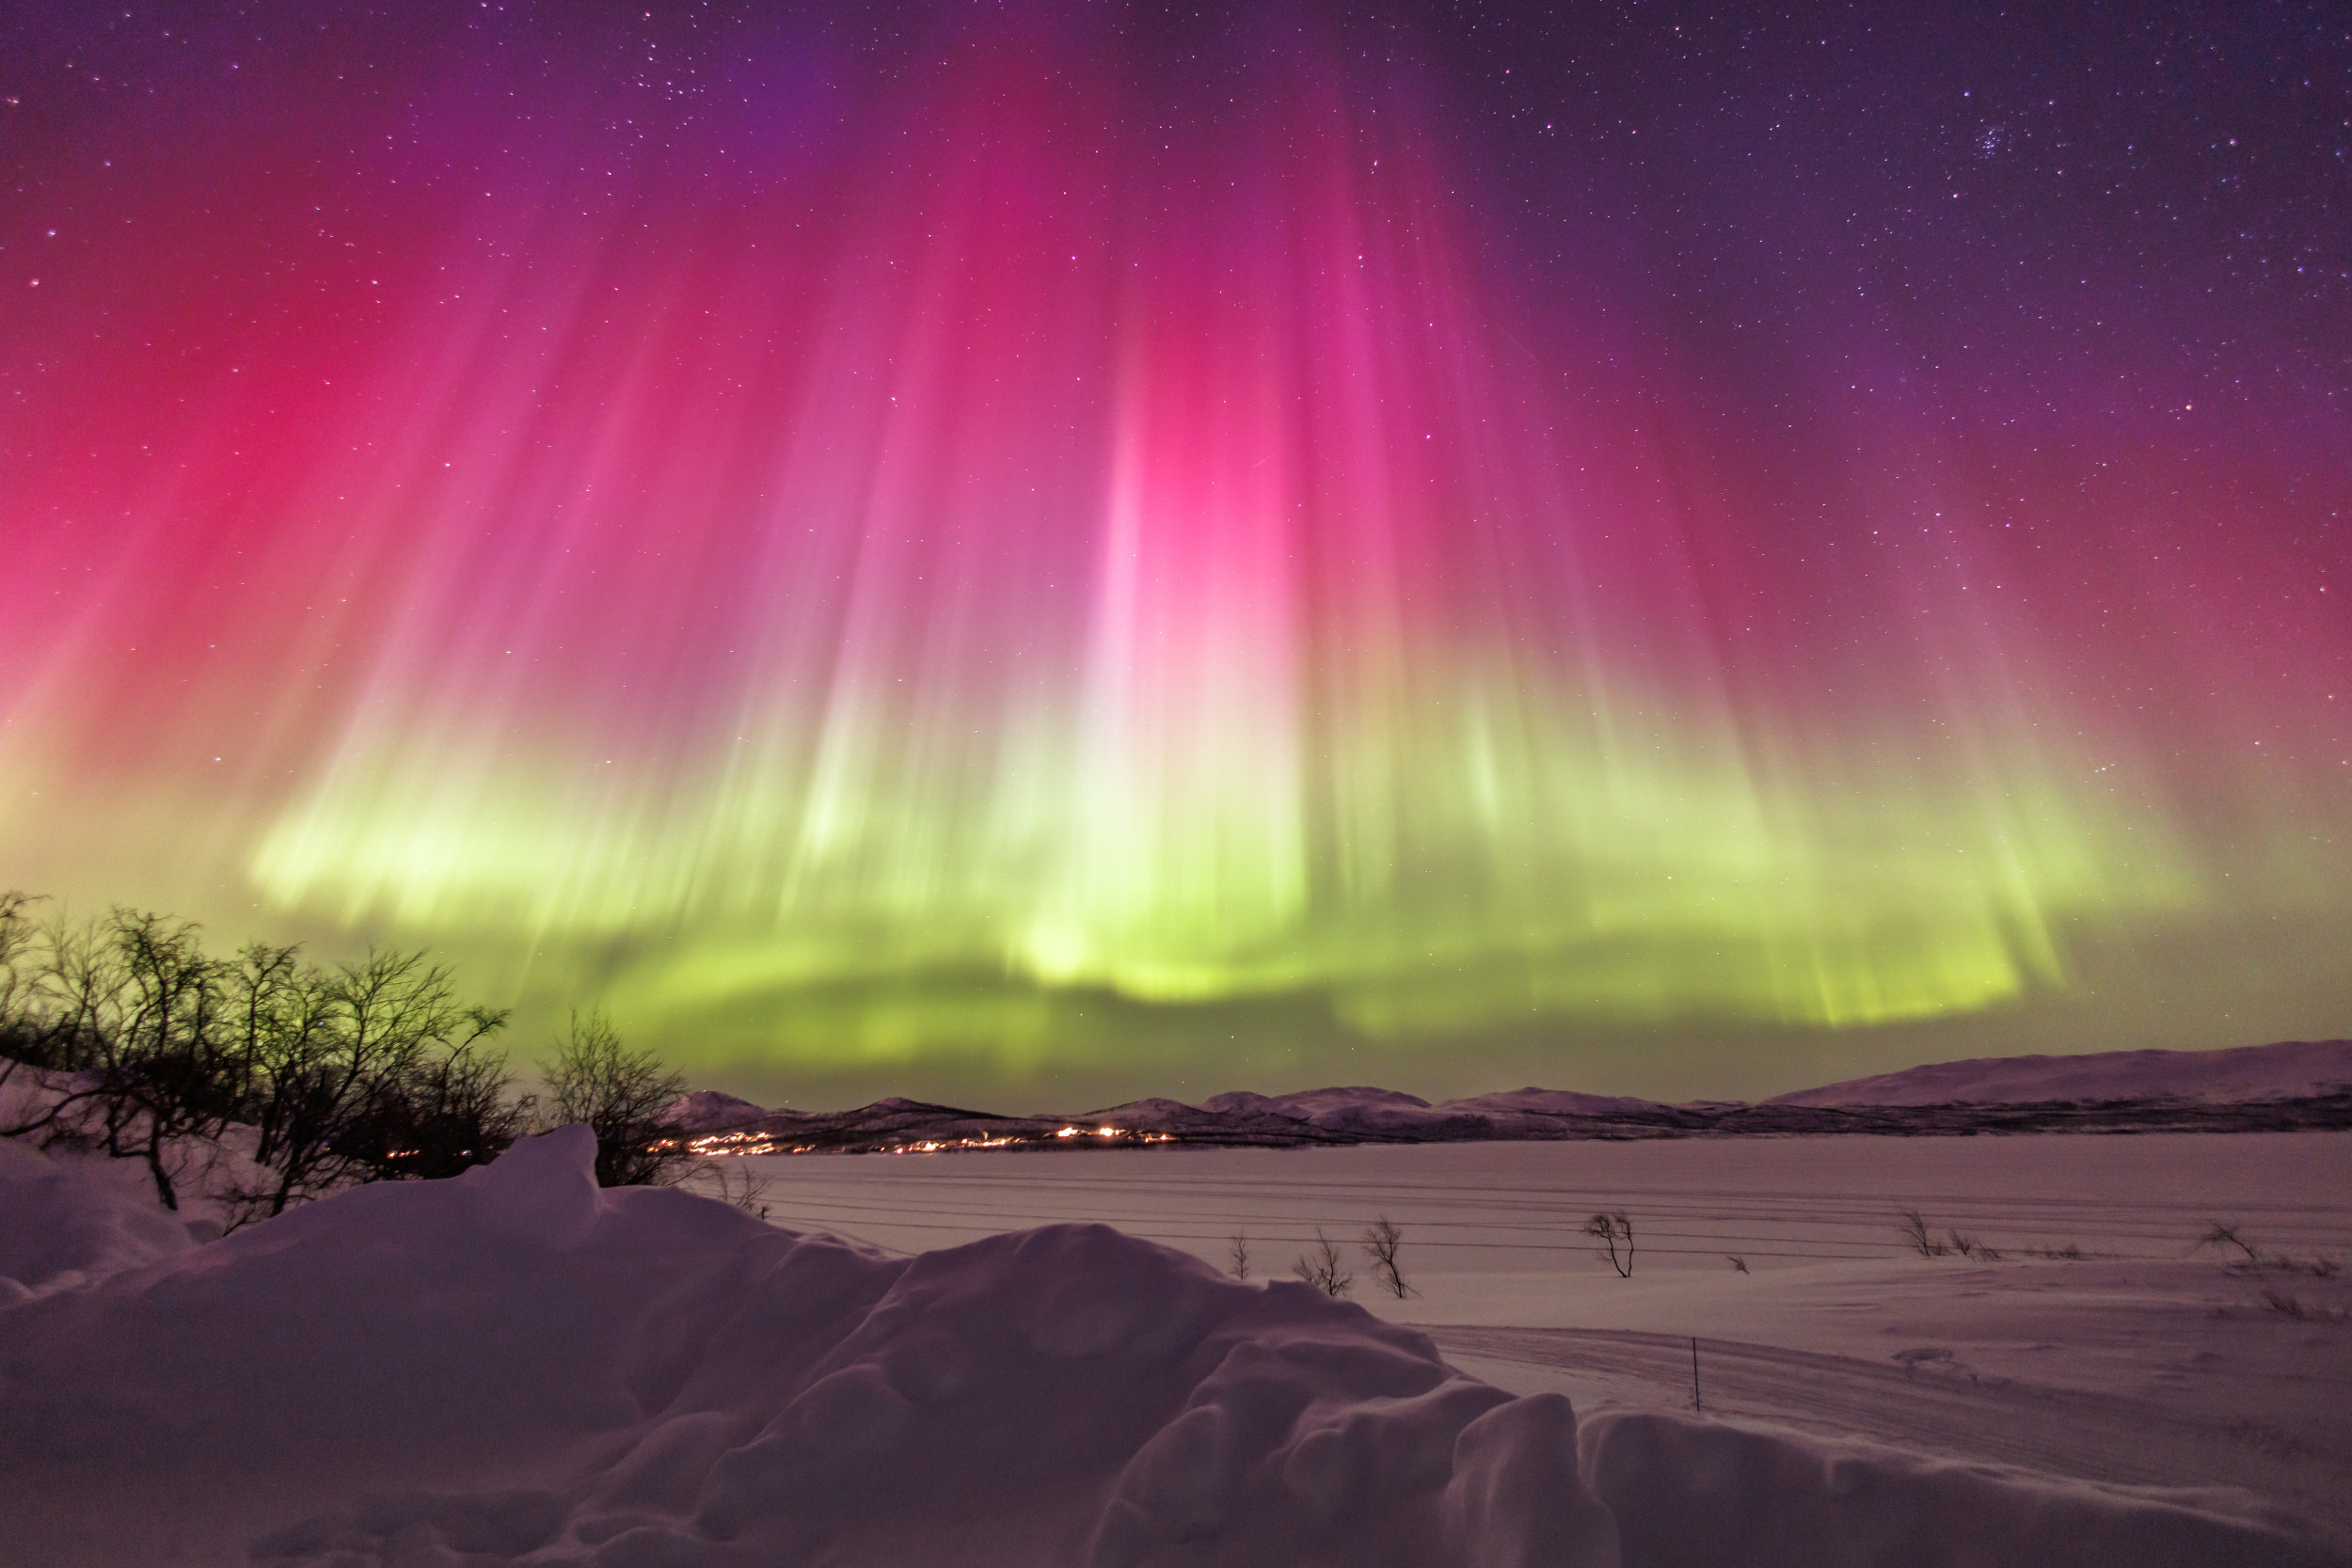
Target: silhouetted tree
(1383,1240)
(620,1094)
(375,1070)
(146,1046)
(1608,1229)
(1322,1269)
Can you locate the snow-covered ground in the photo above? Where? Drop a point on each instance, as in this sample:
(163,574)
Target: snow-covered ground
(2152,1359)
(515,1368)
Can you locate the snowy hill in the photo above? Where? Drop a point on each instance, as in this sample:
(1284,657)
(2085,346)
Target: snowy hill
(515,1366)
(1547,1103)
(2296,1069)
(708,1111)
(1351,1109)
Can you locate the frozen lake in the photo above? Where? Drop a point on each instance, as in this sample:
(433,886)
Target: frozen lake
(2152,1361)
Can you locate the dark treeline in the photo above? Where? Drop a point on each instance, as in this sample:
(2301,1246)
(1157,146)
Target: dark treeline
(144,1043)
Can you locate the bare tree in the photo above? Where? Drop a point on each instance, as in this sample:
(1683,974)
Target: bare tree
(163,1060)
(27,998)
(20,978)
(1237,1255)
(369,1072)
(150,1048)
(1383,1240)
(1608,1229)
(620,1094)
(1322,1268)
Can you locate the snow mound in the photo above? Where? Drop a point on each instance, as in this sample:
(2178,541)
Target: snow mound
(516,1367)
(2293,1071)
(515,1364)
(66,1221)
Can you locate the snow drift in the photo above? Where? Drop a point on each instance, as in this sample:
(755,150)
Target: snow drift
(65,1222)
(516,1367)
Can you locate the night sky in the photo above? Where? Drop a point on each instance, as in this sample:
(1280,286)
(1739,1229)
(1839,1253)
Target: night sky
(1048,552)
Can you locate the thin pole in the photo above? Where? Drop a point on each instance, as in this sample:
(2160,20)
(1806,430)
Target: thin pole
(1694,1376)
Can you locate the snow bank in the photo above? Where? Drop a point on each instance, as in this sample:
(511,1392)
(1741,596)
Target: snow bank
(65,1221)
(516,1367)
(2292,1071)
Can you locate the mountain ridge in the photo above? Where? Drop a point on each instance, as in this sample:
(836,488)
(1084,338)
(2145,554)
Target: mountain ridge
(2290,1085)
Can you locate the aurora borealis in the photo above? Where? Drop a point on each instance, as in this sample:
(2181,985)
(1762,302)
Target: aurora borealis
(992,546)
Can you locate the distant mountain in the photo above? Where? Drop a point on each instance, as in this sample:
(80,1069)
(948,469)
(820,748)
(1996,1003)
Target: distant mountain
(707,1110)
(2297,1069)
(2252,1088)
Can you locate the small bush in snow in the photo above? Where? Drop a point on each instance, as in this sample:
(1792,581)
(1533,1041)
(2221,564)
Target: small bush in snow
(1237,1255)
(1322,1268)
(1383,1239)
(2219,1235)
(1920,1239)
(733,1184)
(1610,1230)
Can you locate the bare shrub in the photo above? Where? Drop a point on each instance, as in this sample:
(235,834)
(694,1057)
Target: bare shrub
(1383,1239)
(1322,1268)
(1971,1248)
(732,1183)
(150,1048)
(1237,1255)
(1608,1229)
(620,1095)
(2219,1235)
(1919,1238)
(2288,1305)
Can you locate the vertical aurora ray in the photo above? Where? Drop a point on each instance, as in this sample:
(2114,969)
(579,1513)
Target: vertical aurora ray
(1028,559)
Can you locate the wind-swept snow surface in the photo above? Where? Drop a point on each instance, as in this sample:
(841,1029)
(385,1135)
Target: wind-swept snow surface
(516,1367)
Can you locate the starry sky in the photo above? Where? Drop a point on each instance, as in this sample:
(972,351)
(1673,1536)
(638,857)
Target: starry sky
(1044,552)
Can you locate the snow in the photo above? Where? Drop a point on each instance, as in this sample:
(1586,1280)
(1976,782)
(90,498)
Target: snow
(708,1111)
(72,1220)
(2294,1070)
(2148,1361)
(1365,1110)
(1543,1102)
(2290,1088)
(518,1367)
